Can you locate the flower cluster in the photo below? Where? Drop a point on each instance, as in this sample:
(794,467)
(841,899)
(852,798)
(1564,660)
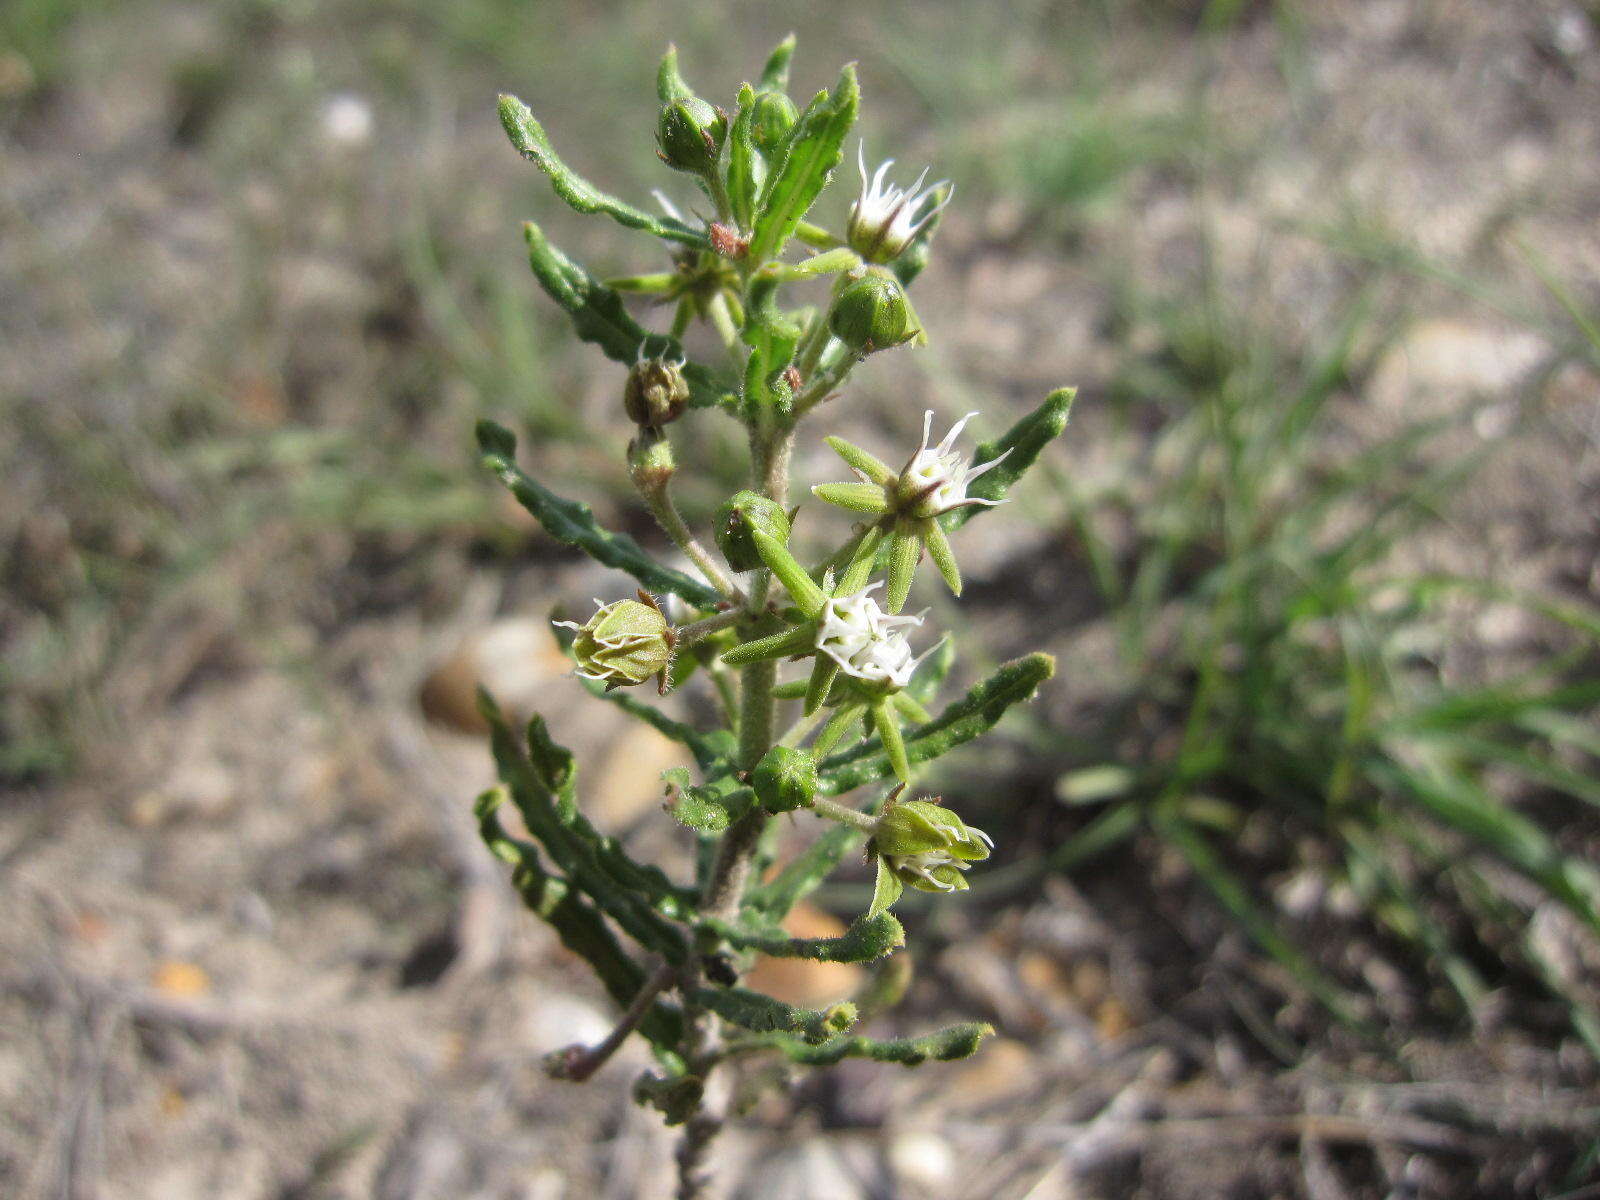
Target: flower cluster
(865,641)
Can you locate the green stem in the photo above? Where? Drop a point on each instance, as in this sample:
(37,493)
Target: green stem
(843,815)
(688,635)
(659,501)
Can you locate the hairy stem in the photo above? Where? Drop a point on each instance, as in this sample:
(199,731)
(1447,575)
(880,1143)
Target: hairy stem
(659,501)
(843,815)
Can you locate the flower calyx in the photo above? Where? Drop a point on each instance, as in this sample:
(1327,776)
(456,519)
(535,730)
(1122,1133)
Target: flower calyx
(908,504)
(626,642)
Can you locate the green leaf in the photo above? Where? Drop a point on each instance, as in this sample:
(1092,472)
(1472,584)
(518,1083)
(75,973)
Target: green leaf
(529,137)
(572,522)
(639,898)
(954,1042)
(1025,440)
(764,1014)
(886,889)
(869,464)
(555,766)
(972,715)
(813,150)
(775,75)
(800,640)
(870,937)
(943,557)
(747,170)
(578,925)
(675,1097)
(711,809)
(600,317)
(858,497)
(670,84)
(905,550)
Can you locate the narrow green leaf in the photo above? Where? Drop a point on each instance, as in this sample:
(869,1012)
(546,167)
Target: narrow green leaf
(886,889)
(639,898)
(572,522)
(943,557)
(905,549)
(1465,806)
(670,84)
(763,1014)
(874,468)
(972,715)
(778,645)
(598,316)
(1024,440)
(775,75)
(823,672)
(858,497)
(800,586)
(577,924)
(813,150)
(887,722)
(868,938)
(747,170)
(954,1042)
(529,137)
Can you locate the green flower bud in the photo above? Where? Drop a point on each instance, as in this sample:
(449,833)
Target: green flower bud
(922,845)
(624,643)
(745,511)
(918,826)
(650,461)
(656,392)
(871,313)
(690,133)
(771,119)
(785,779)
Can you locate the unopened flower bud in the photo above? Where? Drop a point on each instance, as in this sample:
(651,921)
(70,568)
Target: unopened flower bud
(871,313)
(918,825)
(690,133)
(785,779)
(737,517)
(656,392)
(928,846)
(624,643)
(650,461)
(770,121)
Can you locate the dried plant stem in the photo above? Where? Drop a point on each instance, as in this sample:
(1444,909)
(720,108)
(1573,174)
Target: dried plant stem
(595,1057)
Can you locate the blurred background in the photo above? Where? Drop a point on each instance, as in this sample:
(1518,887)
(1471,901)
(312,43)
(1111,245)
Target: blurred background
(1295,892)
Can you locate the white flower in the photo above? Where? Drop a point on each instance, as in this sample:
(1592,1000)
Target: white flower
(926,864)
(884,219)
(865,641)
(936,478)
